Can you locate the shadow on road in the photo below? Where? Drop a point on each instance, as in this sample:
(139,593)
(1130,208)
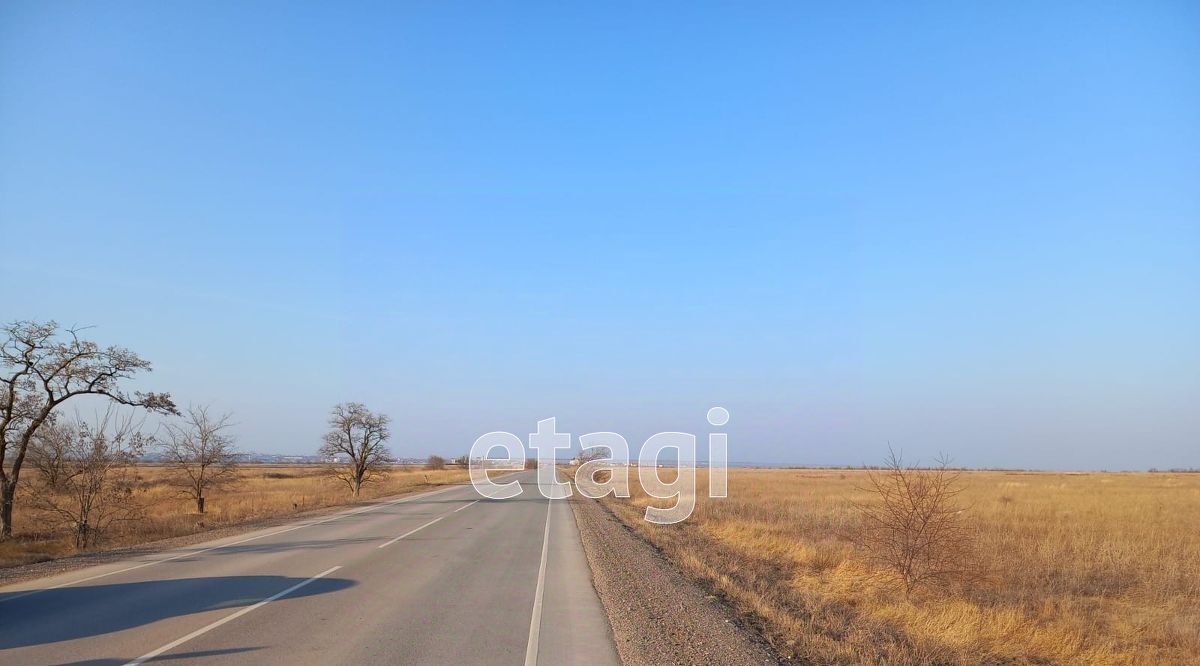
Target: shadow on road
(276,547)
(164,657)
(68,613)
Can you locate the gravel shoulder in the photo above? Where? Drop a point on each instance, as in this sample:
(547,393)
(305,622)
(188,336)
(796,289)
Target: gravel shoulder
(657,615)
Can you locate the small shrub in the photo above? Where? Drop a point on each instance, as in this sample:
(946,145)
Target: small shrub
(435,462)
(915,532)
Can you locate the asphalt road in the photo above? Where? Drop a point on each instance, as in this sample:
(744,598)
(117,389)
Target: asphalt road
(443,577)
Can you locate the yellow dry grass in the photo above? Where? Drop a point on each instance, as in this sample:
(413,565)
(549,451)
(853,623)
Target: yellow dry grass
(262,491)
(1081,569)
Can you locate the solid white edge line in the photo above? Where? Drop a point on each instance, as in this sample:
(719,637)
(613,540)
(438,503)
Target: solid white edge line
(463,507)
(343,514)
(412,531)
(228,618)
(535,622)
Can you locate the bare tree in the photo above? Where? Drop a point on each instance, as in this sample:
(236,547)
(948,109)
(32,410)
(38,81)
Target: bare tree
(435,462)
(589,455)
(97,484)
(355,444)
(42,367)
(915,533)
(48,452)
(202,453)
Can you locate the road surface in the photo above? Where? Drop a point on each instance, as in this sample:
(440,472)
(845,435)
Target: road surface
(443,577)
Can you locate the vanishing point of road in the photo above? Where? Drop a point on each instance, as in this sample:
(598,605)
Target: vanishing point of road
(441,577)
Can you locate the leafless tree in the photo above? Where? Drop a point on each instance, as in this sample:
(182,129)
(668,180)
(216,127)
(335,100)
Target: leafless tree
(41,367)
(915,532)
(48,452)
(355,444)
(201,452)
(97,484)
(435,462)
(589,455)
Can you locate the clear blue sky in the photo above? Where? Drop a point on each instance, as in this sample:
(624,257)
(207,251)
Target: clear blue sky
(966,229)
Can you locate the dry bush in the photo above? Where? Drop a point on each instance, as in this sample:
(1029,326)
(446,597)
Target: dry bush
(48,452)
(914,532)
(435,462)
(95,485)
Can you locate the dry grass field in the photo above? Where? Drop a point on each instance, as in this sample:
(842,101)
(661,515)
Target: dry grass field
(1079,569)
(261,491)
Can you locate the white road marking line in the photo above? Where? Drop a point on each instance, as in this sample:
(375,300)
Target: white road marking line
(228,618)
(535,622)
(227,545)
(413,531)
(463,507)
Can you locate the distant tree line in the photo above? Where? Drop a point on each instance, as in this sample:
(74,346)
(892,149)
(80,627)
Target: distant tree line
(1176,470)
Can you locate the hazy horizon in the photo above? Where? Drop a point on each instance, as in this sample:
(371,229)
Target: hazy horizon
(974,230)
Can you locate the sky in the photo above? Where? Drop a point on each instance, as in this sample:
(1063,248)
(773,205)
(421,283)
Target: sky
(944,228)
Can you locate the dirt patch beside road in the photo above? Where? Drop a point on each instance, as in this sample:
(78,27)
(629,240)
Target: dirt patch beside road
(657,616)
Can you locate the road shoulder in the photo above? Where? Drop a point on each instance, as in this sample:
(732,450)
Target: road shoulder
(657,615)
